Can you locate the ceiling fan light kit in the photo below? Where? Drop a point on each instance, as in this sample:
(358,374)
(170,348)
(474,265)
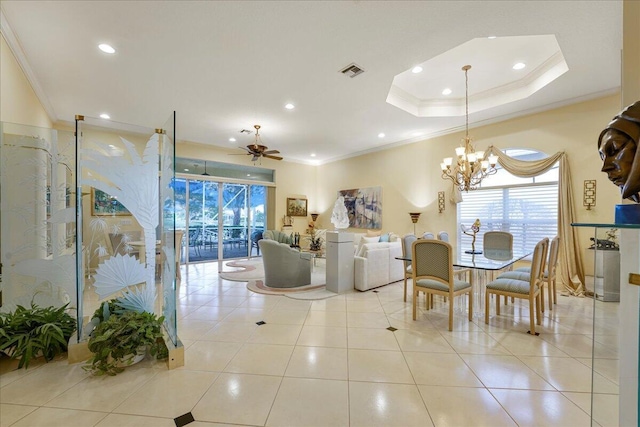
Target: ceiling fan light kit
(258,150)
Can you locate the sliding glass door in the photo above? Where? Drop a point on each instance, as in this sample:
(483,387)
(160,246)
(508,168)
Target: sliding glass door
(220,218)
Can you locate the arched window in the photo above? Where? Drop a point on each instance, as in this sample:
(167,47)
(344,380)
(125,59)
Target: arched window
(524,207)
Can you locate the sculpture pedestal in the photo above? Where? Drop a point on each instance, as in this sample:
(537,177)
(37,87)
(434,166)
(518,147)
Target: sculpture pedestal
(339,262)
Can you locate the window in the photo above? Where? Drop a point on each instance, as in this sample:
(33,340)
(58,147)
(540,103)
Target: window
(525,207)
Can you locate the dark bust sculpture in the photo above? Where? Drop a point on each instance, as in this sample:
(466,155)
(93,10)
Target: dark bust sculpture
(618,146)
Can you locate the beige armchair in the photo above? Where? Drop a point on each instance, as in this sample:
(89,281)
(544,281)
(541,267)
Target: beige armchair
(284,267)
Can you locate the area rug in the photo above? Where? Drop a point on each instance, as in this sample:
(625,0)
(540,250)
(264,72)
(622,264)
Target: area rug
(308,292)
(252,272)
(249,270)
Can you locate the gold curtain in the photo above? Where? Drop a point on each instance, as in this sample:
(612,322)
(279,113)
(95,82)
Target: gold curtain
(571,269)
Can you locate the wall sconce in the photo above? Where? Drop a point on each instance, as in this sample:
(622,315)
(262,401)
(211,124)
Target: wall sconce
(440,201)
(589,193)
(414,218)
(314,216)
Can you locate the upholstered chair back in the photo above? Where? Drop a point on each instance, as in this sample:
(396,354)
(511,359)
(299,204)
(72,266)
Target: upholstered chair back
(278,236)
(432,258)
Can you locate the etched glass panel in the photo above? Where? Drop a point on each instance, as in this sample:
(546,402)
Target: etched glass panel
(37,220)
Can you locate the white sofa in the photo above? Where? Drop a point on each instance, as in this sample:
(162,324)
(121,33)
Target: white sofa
(375,265)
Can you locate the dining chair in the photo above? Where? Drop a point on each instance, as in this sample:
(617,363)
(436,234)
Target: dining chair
(255,237)
(549,276)
(428,235)
(195,240)
(523,289)
(432,273)
(407,242)
(497,245)
(444,236)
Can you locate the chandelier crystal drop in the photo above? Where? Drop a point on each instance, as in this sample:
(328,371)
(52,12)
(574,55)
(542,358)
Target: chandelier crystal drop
(471,166)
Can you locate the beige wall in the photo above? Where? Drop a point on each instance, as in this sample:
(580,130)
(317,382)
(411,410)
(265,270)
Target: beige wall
(18,103)
(410,174)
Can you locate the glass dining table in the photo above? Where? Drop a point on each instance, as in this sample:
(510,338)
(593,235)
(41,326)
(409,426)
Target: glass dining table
(480,264)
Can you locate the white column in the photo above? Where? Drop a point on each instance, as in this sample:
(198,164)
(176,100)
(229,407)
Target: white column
(339,261)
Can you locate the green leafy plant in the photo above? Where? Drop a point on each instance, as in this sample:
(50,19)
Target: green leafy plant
(30,332)
(119,338)
(315,241)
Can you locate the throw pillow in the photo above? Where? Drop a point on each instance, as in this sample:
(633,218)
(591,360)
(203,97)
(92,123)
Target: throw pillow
(384,238)
(364,240)
(371,233)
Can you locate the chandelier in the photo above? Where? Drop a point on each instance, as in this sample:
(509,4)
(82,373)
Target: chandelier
(471,166)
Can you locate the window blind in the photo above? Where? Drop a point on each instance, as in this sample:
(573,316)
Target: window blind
(529,212)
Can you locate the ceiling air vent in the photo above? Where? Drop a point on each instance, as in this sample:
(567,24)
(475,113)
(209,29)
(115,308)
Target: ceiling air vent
(352,70)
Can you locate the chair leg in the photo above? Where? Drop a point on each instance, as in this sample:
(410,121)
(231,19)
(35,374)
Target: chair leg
(451,314)
(405,288)
(542,296)
(532,319)
(497,305)
(414,302)
(506,300)
(552,284)
(539,314)
(486,307)
(470,305)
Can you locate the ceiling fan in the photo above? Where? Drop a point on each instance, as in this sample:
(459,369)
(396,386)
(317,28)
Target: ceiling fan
(258,150)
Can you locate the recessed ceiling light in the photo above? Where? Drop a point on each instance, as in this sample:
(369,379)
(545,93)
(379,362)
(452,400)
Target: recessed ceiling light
(105,116)
(417,69)
(232,140)
(106,48)
(289,106)
(313,154)
(186,170)
(519,66)
(248,174)
(491,37)
(447,91)
(381,135)
(112,146)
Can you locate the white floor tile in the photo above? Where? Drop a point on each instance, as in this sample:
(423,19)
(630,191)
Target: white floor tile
(310,402)
(378,404)
(463,406)
(238,399)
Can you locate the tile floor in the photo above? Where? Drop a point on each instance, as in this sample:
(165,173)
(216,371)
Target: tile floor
(333,363)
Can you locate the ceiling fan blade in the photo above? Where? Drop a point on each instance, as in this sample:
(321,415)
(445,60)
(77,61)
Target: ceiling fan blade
(271,152)
(272,157)
(255,157)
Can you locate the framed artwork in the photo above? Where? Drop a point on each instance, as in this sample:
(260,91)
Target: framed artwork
(103,204)
(296,207)
(364,207)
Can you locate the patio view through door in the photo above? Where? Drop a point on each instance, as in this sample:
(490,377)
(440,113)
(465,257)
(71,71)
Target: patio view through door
(218,218)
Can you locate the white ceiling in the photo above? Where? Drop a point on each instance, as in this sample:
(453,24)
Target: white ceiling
(225,66)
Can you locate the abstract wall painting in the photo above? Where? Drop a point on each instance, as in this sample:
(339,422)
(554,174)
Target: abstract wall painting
(364,206)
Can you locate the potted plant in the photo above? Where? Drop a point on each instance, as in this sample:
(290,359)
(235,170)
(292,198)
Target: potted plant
(122,335)
(315,241)
(31,332)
